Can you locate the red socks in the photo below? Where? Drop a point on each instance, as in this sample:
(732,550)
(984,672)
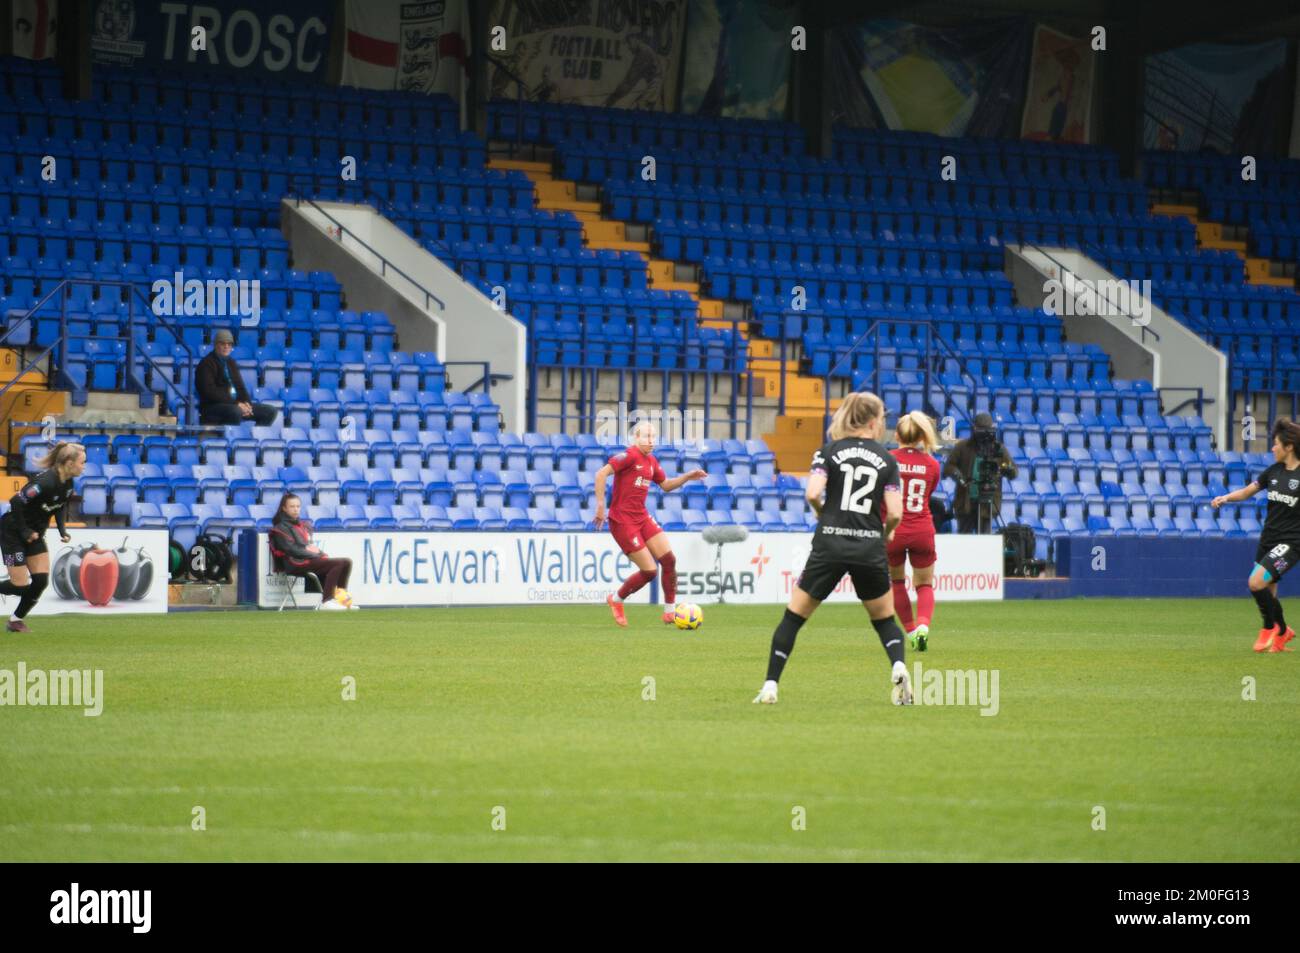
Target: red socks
(669,565)
(924,604)
(903,604)
(634,582)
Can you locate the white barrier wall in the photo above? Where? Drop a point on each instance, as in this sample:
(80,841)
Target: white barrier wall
(472,329)
(440,569)
(123,570)
(1179,356)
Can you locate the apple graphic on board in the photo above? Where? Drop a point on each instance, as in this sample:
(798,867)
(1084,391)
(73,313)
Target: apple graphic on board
(98,576)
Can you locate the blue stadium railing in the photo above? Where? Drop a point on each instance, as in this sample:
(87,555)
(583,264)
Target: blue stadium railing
(57,350)
(689,358)
(934,352)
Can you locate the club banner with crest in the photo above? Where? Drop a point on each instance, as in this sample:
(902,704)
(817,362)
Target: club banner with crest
(414,47)
(602,53)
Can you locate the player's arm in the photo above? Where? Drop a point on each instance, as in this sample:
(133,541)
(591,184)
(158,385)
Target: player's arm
(893,510)
(893,499)
(17,508)
(678,481)
(60,518)
(816,486)
(602,475)
(813,492)
(1236,496)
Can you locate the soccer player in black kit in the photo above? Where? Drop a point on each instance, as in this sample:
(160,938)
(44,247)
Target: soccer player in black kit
(864,502)
(1279,542)
(22,529)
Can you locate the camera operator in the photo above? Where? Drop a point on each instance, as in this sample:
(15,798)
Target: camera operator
(978,464)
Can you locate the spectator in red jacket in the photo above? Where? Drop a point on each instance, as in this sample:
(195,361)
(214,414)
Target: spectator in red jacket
(291,543)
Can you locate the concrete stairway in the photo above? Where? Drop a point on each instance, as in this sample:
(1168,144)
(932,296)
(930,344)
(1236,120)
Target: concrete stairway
(1234,238)
(28,400)
(799,431)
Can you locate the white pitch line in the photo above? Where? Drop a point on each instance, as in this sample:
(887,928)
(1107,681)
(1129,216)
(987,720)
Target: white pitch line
(616,793)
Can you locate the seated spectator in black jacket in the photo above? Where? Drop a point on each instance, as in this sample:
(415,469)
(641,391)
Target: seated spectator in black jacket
(291,543)
(222,396)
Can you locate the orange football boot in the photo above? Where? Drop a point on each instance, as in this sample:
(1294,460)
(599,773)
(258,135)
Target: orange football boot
(1281,639)
(1265,639)
(616,607)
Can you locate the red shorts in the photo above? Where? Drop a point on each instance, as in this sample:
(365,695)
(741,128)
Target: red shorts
(915,546)
(632,535)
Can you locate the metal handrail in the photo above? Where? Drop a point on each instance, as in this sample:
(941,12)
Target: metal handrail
(61,289)
(179,430)
(1067,269)
(385,264)
(486,381)
(931,338)
(1200,400)
(738,368)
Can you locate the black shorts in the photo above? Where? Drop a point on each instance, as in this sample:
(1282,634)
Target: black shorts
(823,572)
(1277,557)
(16,549)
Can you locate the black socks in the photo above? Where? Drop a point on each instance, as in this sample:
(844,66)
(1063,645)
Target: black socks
(32,593)
(1270,609)
(783,643)
(7,588)
(891,637)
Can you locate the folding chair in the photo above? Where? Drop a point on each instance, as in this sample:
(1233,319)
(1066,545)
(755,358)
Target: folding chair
(278,569)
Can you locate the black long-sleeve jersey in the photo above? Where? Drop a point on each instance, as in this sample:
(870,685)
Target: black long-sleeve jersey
(32,506)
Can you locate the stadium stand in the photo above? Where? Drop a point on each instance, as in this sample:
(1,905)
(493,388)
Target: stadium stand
(156,176)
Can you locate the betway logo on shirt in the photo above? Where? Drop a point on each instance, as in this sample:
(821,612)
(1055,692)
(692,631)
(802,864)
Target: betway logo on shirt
(1275,497)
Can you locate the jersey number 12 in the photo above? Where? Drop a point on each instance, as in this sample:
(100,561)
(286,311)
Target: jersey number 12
(852,500)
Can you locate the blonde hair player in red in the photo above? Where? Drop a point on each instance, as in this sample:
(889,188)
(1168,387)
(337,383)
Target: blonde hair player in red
(637,534)
(918,473)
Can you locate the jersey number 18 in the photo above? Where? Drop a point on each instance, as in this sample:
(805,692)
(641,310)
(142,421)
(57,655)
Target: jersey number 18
(915,501)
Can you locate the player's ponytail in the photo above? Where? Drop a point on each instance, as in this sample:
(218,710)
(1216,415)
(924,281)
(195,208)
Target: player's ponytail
(60,454)
(916,427)
(858,411)
(1287,432)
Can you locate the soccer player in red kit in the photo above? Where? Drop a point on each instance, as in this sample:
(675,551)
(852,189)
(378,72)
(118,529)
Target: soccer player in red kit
(636,533)
(918,473)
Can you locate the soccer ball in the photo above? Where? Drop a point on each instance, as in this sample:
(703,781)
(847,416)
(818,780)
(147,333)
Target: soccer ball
(687,615)
(343,597)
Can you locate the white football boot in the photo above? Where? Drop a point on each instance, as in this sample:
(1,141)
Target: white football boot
(902,691)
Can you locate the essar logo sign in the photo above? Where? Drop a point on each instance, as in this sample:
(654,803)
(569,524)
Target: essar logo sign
(715,583)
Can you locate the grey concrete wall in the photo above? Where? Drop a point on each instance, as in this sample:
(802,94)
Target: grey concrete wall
(363,288)
(1130,363)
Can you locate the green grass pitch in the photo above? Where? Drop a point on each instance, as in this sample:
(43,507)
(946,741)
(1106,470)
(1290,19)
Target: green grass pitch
(1135,707)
